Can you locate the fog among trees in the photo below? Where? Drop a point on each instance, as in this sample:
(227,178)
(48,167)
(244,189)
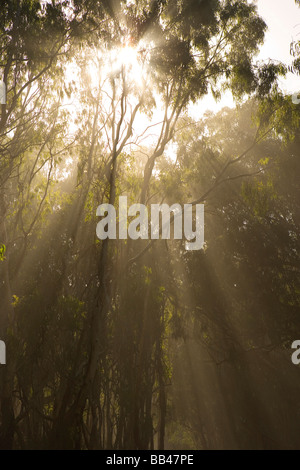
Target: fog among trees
(142,344)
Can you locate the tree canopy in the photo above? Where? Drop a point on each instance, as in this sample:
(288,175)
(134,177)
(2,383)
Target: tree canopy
(137,344)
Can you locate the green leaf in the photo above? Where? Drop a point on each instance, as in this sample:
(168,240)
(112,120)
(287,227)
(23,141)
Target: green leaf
(2,251)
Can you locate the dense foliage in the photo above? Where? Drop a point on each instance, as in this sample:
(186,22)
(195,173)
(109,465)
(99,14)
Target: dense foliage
(119,344)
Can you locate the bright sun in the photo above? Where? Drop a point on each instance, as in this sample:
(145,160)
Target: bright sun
(128,58)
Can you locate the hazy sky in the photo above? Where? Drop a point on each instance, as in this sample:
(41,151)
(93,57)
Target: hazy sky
(283,20)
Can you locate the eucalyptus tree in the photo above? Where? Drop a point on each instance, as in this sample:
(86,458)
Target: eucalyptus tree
(159,53)
(36,38)
(129,59)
